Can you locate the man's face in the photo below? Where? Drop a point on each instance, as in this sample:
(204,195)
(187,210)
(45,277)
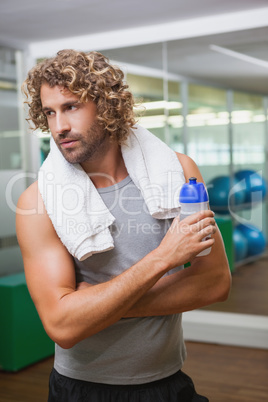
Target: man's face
(73,125)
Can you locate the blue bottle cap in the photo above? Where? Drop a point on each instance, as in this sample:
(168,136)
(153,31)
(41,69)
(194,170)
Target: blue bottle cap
(193,192)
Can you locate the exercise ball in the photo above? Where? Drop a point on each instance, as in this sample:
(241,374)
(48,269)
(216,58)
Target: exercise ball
(253,183)
(223,192)
(240,245)
(255,239)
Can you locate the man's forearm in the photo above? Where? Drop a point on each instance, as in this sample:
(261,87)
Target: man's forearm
(207,281)
(180,292)
(80,314)
(194,287)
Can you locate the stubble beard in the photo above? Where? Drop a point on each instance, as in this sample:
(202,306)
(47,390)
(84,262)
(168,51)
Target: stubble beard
(91,145)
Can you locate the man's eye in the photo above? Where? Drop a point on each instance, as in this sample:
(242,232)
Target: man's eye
(49,113)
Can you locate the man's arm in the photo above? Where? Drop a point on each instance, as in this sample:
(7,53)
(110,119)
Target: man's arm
(207,281)
(70,316)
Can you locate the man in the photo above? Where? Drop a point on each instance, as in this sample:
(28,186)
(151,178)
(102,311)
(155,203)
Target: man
(115,315)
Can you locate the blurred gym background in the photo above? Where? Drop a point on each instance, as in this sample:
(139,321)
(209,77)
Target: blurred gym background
(200,69)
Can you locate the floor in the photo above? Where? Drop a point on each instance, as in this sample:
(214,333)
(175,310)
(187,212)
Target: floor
(227,373)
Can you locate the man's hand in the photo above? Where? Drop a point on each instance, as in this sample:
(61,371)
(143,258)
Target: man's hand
(184,239)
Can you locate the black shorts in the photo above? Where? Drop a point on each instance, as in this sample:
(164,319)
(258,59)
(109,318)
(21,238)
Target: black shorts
(176,388)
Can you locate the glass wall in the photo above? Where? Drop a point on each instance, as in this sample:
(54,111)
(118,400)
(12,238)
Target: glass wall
(248,120)
(148,91)
(249,144)
(224,131)
(207,130)
(10,155)
(10,162)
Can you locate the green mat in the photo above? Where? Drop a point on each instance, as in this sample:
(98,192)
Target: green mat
(23,338)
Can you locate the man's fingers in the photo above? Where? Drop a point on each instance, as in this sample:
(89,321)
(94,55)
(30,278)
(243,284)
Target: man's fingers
(198,216)
(207,231)
(204,223)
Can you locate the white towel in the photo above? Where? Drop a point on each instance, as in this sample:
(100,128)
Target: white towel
(75,207)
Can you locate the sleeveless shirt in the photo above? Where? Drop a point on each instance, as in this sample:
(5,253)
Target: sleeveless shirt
(133,350)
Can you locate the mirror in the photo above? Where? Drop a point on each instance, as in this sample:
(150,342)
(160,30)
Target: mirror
(223,130)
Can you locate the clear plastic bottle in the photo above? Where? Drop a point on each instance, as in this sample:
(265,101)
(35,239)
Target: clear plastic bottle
(194,198)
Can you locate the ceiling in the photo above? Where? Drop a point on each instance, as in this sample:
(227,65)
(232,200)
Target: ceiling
(27,21)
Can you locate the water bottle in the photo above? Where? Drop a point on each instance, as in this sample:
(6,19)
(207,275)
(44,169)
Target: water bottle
(194,198)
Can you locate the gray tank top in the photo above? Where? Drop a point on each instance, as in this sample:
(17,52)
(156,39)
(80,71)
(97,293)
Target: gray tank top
(133,350)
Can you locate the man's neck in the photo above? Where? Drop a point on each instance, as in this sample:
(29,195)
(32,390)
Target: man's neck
(108,168)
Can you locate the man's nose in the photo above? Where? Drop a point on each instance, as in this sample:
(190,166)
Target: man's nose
(62,123)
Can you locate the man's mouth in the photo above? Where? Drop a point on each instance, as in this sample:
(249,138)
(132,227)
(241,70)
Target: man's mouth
(67,143)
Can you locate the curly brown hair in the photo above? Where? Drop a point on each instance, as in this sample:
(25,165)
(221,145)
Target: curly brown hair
(90,76)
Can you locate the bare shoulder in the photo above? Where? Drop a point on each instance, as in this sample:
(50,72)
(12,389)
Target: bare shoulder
(189,167)
(30,198)
(38,240)
(185,160)
(32,220)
